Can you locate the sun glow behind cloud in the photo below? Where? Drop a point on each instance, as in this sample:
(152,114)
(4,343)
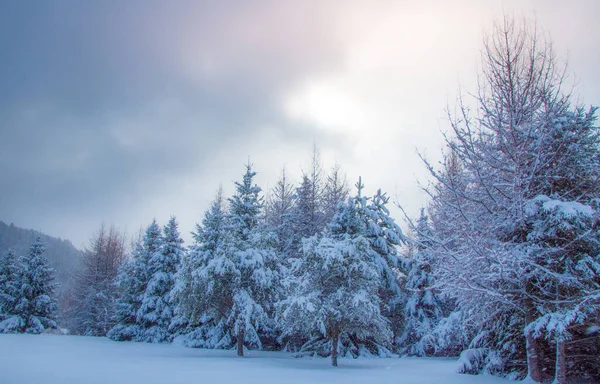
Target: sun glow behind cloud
(399,68)
(327,105)
(402,64)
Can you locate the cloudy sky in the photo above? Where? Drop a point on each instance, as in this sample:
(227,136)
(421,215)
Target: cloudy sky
(121,111)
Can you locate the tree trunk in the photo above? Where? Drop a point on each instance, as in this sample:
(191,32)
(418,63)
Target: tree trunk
(560,376)
(533,362)
(240,342)
(334,349)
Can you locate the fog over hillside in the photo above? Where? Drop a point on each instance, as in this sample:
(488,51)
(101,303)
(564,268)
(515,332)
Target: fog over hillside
(61,253)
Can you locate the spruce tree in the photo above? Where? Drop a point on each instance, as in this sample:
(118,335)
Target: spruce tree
(564,243)
(199,306)
(423,308)
(132,281)
(256,265)
(10,271)
(383,234)
(239,273)
(385,238)
(335,287)
(156,311)
(35,308)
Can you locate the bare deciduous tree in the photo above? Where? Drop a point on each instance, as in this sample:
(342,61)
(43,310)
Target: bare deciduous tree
(90,310)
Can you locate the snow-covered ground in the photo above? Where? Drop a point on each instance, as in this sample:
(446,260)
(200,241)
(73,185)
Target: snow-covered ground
(53,359)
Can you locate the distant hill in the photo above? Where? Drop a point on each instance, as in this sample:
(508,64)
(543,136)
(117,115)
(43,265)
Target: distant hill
(63,256)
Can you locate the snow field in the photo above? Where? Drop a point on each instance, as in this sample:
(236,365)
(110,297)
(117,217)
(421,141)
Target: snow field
(55,359)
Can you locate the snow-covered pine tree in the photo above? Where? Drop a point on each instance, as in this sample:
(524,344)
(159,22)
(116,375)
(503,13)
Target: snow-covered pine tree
(35,309)
(156,311)
(10,272)
(153,242)
(199,306)
(213,286)
(564,245)
(335,287)
(385,237)
(132,281)
(561,242)
(239,274)
(255,262)
(424,307)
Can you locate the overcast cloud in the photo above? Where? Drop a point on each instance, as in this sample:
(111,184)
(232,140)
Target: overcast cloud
(121,111)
